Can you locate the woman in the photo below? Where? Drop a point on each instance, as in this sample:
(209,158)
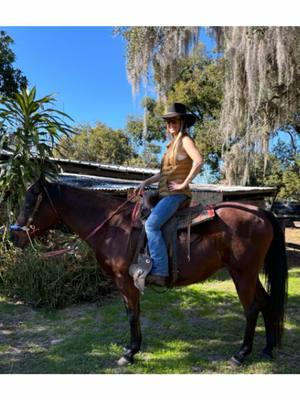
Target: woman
(180,164)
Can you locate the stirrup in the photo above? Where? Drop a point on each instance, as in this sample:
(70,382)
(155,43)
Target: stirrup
(140,271)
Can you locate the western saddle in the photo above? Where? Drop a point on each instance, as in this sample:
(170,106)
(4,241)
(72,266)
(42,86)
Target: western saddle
(186,217)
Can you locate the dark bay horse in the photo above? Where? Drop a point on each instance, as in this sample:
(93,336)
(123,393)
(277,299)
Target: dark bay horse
(241,238)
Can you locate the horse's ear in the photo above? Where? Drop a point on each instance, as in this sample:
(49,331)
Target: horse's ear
(37,187)
(42,179)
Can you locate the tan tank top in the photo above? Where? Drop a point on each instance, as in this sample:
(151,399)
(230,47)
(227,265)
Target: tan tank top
(174,173)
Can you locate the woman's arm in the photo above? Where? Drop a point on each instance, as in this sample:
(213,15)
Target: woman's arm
(191,149)
(152,179)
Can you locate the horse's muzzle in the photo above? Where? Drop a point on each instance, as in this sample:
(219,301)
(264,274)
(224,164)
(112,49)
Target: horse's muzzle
(18,236)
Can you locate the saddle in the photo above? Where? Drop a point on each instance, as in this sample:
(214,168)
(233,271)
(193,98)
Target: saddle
(185,218)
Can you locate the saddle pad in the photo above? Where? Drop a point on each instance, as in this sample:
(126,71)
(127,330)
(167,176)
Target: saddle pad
(205,215)
(194,215)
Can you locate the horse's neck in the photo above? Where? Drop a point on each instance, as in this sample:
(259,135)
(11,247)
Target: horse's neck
(83,210)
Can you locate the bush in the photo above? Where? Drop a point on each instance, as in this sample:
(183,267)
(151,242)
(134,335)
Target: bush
(53,282)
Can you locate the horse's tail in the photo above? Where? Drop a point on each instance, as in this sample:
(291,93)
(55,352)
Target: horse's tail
(275,269)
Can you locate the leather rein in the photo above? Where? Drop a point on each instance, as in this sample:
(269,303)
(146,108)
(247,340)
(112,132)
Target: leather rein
(30,229)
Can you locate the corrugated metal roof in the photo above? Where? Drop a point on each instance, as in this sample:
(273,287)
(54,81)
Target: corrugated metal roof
(108,166)
(5,152)
(77,166)
(98,183)
(231,189)
(122,185)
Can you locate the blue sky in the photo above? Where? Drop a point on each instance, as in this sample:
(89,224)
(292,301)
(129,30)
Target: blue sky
(84,67)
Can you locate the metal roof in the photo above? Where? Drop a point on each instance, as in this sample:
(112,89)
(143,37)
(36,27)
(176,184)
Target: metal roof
(5,152)
(98,183)
(115,177)
(98,169)
(112,167)
(231,189)
(122,185)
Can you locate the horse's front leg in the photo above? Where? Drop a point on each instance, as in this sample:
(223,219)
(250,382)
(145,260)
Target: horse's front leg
(131,298)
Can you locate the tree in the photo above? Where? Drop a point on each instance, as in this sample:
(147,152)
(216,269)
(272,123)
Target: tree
(261,96)
(11,79)
(100,144)
(261,92)
(30,129)
(149,128)
(200,86)
(156,48)
(283,168)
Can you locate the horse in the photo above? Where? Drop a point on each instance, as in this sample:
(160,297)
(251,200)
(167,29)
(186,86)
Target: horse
(241,238)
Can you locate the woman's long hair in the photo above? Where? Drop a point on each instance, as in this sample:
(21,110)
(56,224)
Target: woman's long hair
(177,142)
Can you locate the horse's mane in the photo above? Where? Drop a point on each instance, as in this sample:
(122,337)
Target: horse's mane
(94,192)
(92,196)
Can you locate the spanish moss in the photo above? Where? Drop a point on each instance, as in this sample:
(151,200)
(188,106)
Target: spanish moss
(157,50)
(262,91)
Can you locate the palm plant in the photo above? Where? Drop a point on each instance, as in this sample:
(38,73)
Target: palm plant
(29,130)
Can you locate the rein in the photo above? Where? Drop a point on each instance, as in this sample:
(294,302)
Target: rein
(110,216)
(30,229)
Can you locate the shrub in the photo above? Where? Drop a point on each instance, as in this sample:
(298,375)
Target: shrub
(53,282)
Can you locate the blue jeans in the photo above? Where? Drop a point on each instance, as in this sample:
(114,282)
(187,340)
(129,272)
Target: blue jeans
(160,214)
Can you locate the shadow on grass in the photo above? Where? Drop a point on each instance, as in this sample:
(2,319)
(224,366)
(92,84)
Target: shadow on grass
(221,275)
(195,330)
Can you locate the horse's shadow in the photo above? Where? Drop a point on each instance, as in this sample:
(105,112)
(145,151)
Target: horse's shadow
(197,329)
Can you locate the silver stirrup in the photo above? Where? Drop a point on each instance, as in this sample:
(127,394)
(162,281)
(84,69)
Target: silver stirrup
(140,271)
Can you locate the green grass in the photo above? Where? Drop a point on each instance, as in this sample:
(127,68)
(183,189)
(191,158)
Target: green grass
(189,330)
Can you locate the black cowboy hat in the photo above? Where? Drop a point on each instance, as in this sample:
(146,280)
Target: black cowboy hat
(179,110)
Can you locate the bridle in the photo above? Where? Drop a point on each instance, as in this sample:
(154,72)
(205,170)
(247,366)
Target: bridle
(30,229)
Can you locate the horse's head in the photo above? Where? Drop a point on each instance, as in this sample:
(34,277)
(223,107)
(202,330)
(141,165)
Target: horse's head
(37,214)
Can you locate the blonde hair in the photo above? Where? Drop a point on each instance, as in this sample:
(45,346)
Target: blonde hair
(177,142)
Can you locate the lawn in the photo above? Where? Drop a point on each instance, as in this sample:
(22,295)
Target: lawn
(196,331)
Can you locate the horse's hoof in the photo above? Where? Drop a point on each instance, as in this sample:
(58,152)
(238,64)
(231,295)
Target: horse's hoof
(266,355)
(235,361)
(123,361)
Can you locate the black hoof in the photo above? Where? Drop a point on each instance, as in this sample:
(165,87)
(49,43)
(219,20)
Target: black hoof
(266,354)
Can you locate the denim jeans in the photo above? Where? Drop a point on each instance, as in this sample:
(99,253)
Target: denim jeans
(160,214)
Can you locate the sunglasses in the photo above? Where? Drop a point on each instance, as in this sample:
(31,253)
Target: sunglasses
(173,121)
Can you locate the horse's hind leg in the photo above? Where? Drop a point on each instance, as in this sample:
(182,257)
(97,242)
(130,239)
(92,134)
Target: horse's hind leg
(264,303)
(131,298)
(246,348)
(246,289)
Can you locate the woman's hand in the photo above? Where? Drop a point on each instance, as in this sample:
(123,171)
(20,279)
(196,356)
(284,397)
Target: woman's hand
(139,191)
(176,186)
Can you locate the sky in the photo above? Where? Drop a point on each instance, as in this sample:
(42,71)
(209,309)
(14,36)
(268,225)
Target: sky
(84,67)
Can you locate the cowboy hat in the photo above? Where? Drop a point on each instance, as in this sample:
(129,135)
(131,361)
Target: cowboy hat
(179,110)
